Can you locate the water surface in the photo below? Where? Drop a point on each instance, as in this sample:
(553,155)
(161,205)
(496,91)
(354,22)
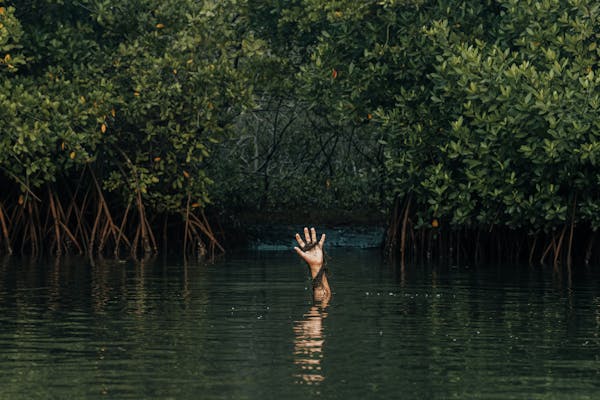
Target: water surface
(246,328)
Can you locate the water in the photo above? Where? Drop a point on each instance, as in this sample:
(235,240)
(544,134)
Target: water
(246,328)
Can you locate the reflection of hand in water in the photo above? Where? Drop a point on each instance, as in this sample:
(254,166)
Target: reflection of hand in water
(311,251)
(308,345)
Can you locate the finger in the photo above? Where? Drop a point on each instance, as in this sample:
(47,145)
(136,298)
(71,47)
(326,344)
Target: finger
(322,241)
(306,235)
(313,235)
(299,240)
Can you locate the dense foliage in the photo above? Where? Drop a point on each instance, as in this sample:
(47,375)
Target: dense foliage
(119,102)
(459,119)
(485,112)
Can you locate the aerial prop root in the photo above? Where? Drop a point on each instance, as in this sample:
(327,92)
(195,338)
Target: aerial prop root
(4,226)
(197,226)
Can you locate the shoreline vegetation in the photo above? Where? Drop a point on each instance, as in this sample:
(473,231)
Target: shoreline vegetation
(469,129)
(85,221)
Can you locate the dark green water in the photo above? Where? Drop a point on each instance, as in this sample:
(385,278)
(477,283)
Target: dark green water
(246,328)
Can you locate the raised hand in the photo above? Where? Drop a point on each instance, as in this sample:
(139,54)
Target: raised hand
(310,250)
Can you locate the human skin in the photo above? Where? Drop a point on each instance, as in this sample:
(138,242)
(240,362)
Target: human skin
(314,258)
(308,345)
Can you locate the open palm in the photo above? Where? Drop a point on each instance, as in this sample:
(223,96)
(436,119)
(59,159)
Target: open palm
(310,250)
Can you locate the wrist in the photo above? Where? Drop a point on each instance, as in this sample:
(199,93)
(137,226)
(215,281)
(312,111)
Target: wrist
(314,269)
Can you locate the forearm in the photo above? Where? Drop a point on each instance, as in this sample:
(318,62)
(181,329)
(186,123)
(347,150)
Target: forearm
(324,285)
(322,292)
(320,283)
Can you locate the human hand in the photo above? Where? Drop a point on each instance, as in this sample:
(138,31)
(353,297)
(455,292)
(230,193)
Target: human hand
(310,250)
